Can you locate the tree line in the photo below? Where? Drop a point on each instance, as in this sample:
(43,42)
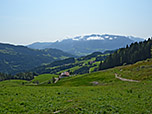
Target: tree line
(22,76)
(129,55)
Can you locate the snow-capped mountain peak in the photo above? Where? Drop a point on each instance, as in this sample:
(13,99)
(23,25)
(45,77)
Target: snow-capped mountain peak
(104,37)
(95,38)
(85,44)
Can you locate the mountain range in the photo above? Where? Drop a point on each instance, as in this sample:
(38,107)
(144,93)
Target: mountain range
(14,59)
(86,44)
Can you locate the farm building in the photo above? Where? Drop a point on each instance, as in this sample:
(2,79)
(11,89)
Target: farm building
(64,74)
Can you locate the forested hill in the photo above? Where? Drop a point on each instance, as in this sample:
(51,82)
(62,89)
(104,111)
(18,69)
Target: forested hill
(129,55)
(82,65)
(14,59)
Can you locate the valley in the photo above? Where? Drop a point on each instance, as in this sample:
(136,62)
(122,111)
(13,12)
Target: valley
(97,83)
(75,57)
(16,59)
(78,94)
(81,65)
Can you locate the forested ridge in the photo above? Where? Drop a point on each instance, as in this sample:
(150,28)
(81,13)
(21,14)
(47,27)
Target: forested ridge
(15,59)
(73,65)
(129,55)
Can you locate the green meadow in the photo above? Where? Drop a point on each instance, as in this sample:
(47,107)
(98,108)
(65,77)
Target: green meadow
(113,98)
(92,93)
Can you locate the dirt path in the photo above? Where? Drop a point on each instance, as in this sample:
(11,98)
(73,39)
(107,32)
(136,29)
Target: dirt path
(123,79)
(56,80)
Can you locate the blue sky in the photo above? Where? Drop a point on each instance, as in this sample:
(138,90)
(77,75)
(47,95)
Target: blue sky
(28,21)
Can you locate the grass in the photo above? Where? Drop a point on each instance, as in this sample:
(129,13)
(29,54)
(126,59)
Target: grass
(12,82)
(139,71)
(43,78)
(72,67)
(116,98)
(79,95)
(101,77)
(84,63)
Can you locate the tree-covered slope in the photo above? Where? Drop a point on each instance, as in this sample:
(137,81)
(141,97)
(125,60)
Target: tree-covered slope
(20,76)
(82,65)
(14,59)
(129,55)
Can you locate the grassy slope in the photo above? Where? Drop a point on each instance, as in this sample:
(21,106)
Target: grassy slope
(43,78)
(87,79)
(110,96)
(116,98)
(140,71)
(12,82)
(82,62)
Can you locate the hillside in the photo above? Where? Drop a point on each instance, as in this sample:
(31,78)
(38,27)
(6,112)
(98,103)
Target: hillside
(81,65)
(14,59)
(44,78)
(141,71)
(98,92)
(129,55)
(84,45)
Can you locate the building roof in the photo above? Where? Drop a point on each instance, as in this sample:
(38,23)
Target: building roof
(65,74)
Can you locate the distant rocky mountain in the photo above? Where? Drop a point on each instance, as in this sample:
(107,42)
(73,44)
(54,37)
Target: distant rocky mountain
(86,44)
(14,59)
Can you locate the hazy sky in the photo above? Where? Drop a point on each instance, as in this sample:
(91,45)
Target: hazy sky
(28,21)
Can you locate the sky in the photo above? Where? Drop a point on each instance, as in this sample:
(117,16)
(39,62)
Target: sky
(27,21)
